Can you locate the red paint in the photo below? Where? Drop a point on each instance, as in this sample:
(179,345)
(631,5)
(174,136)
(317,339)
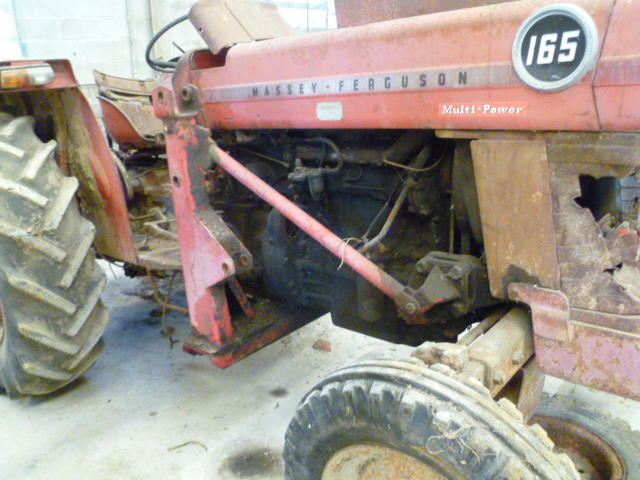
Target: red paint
(472,45)
(476,41)
(241,350)
(121,128)
(617,82)
(205,262)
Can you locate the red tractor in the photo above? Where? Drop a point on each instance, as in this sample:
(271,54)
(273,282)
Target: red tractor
(413,177)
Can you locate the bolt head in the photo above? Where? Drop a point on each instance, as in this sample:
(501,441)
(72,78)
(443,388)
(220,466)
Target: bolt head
(455,273)
(499,378)
(410,308)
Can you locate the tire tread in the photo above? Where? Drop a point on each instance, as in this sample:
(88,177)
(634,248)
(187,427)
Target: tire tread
(50,284)
(427,407)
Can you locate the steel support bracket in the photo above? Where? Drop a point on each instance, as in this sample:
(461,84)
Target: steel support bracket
(493,358)
(549,309)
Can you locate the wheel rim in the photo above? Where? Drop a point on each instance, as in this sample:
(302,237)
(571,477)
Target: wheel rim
(593,456)
(376,462)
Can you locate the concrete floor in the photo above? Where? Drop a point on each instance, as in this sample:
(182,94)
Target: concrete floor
(148,411)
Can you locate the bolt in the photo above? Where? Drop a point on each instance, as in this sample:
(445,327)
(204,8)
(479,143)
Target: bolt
(499,378)
(410,308)
(517,358)
(455,273)
(226,267)
(188,93)
(451,361)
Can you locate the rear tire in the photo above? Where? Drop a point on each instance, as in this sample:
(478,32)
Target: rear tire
(384,419)
(602,447)
(52,318)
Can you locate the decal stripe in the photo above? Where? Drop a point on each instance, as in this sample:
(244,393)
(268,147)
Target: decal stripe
(619,71)
(420,80)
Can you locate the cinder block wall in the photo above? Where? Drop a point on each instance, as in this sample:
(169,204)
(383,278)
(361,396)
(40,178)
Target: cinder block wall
(111,36)
(92,34)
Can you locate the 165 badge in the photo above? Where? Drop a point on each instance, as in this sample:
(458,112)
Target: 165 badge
(555,47)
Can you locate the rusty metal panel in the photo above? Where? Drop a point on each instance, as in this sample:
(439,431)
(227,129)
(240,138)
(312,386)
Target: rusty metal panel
(550,310)
(131,124)
(225,22)
(597,272)
(594,353)
(125,86)
(91,160)
(350,13)
(127,111)
(512,178)
(589,330)
(596,154)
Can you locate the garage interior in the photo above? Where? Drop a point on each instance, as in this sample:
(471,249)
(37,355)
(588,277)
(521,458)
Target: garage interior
(147,409)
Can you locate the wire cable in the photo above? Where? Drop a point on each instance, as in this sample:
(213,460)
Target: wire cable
(157,65)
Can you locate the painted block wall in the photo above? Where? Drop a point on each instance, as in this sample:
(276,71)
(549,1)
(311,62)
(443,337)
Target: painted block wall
(111,35)
(90,33)
(9,47)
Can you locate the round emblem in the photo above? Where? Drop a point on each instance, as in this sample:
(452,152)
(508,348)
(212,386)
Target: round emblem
(555,47)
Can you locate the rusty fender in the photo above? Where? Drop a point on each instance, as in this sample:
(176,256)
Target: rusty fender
(84,153)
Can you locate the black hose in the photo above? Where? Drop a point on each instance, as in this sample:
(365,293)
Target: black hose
(333,147)
(155,64)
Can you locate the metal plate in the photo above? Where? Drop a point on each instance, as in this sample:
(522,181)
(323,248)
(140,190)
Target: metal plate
(225,22)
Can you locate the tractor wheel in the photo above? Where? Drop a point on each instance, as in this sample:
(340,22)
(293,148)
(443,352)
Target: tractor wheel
(602,447)
(385,419)
(51,316)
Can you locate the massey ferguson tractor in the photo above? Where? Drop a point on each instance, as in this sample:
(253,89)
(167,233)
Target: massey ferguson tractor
(413,177)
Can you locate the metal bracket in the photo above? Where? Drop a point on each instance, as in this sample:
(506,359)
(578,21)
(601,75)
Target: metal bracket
(493,358)
(549,308)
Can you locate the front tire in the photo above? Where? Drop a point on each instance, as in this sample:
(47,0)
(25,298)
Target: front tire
(51,316)
(386,419)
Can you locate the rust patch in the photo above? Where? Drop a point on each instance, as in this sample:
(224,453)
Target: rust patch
(322,345)
(597,256)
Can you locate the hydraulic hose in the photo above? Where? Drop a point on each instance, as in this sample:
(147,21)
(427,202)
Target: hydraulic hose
(333,147)
(418,163)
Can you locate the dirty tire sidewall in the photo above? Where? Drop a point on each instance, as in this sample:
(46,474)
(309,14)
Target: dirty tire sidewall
(614,431)
(457,430)
(50,283)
